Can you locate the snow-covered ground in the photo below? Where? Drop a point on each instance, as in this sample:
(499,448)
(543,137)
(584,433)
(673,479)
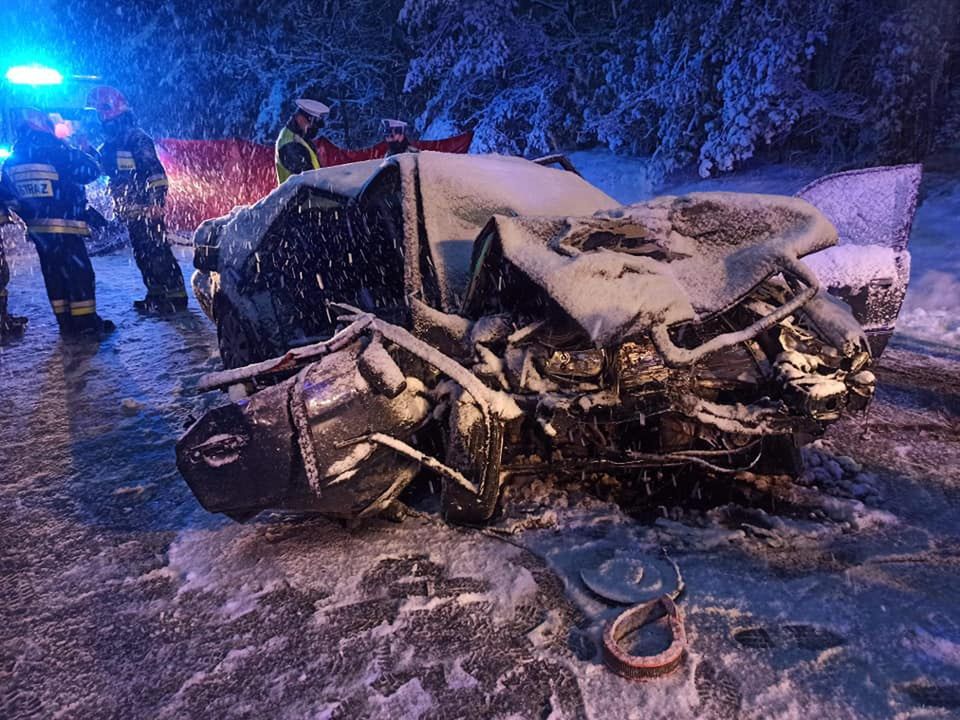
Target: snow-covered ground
(120,597)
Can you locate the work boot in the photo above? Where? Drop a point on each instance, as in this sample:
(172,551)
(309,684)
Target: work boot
(151,305)
(10,325)
(106,326)
(93,329)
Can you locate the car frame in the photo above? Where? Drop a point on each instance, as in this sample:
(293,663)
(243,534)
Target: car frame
(504,309)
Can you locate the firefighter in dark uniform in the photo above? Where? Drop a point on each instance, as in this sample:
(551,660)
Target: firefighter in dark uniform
(139,187)
(294,149)
(10,325)
(47,178)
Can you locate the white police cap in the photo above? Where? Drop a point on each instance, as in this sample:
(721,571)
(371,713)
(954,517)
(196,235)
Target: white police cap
(314,108)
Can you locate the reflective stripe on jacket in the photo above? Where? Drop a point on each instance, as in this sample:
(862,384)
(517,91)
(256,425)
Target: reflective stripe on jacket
(136,175)
(57,226)
(286,137)
(46,179)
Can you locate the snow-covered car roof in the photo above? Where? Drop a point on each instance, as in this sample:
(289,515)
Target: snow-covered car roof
(345,181)
(242,229)
(460,193)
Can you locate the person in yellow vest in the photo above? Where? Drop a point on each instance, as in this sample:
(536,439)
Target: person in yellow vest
(295,152)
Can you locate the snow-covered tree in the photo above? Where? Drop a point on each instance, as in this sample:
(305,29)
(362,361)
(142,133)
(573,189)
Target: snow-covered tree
(706,84)
(513,70)
(911,78)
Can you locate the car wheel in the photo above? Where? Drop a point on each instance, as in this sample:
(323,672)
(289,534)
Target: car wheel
(237,340)
(475,448)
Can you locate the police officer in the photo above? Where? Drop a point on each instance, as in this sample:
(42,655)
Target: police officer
(47,178)
(139,186)
(294,150)
(10,325)
(395,134)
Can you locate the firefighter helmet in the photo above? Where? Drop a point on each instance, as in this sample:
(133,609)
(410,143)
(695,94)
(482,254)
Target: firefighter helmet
(108,102)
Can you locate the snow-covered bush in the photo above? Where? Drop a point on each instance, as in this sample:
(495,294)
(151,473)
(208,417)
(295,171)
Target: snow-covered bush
(708,83)
(220,69)
(712,83)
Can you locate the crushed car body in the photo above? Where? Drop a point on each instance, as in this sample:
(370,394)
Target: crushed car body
(474,317)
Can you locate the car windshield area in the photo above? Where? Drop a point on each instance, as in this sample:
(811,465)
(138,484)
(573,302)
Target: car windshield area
(324,249)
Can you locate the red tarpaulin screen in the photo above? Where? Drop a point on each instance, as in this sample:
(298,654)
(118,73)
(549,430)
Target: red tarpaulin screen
(208,178)
(329,154)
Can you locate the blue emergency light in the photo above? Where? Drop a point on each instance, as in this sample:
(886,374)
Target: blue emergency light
(33,75)
(4,152)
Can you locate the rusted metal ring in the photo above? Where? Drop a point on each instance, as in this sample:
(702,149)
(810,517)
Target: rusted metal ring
(644,666)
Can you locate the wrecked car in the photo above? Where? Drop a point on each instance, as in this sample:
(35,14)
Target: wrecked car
(474,317)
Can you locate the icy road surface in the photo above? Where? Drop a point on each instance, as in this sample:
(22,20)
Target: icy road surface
(121,598)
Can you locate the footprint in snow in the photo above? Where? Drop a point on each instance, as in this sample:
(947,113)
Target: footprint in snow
(719,693)
(943,696)
(807,637)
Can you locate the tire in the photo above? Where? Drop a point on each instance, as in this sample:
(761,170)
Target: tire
(238,342)
(477,454)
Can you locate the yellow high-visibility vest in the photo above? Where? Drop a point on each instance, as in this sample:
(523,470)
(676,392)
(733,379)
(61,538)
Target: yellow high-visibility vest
(288,136)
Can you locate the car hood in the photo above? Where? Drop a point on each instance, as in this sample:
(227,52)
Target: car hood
(669,260)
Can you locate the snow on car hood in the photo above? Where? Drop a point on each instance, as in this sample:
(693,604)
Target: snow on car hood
(668,260)
(461,193)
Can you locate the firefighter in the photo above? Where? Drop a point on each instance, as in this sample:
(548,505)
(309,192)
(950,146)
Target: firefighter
(294,150)
(139,187)
(47,178)
(10,325)
(395,134)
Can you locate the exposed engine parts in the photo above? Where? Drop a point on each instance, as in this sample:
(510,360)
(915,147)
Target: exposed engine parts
(341,436)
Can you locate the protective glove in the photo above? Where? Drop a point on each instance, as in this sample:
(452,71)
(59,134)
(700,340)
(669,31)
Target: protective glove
(94,218)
